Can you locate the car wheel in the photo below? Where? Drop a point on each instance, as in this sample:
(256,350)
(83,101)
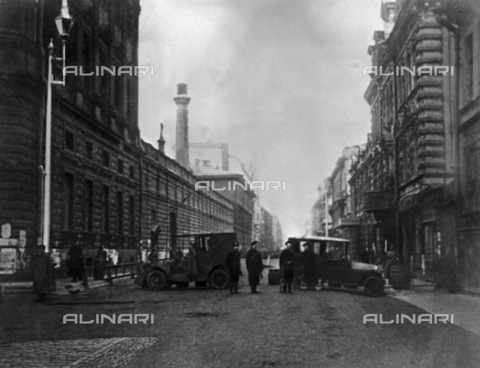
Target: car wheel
(219,278)
(157,280)
(374,286)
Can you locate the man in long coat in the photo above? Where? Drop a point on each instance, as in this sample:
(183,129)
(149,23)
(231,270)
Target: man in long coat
(99,263)
(254,263)
(234,269)
(309,263)
(43,274)
(287,266)
(76,268)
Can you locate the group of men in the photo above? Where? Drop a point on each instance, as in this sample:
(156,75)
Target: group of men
(255,266)
(253,260)
(44,273)
(288,263)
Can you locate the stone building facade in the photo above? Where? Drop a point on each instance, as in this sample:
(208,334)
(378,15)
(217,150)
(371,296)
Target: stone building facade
(108,186)
(461,29)
(406,169)
(344,225)
(234,188)
(417,178)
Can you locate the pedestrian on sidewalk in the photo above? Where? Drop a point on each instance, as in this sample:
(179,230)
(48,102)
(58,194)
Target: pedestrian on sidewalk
(234,269)
(43,274)
(99,263)
(287,265)
(253,259)
(76,268)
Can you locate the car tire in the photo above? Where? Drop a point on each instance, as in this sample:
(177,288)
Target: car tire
(157,280)
(374,286)
(219,278)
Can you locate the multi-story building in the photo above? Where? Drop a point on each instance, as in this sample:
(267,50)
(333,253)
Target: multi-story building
(234,188)
(277,235)
(321,220)
(209,154)
(408,163)
(95,136)
(343,224)
(460,23)
(107,185)
(371,198)
(269,232)
(418,174)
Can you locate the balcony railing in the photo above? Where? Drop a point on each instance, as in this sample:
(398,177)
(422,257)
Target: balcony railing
(381,200)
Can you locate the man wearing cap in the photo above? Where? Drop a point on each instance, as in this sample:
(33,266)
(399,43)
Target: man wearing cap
(287,265)
(254,263)
(234,268)
(43,274)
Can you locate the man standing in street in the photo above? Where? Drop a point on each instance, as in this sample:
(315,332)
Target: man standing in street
(234,268)
(43,274)
(287,265)
(309,263)
(254,263)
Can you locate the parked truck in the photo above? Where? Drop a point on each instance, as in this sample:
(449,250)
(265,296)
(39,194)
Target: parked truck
(198,258)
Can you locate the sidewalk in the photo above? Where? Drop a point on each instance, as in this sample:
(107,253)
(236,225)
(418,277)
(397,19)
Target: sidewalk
(465,308)
(12,288)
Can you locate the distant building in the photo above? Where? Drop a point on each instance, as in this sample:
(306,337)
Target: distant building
(269,232)
(321,220)
(234,188)
(209,155)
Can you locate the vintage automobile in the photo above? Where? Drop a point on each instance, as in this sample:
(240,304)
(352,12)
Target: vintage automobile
(199,258)
(335,267)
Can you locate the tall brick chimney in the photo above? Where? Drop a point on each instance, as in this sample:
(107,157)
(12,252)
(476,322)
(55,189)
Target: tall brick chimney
(181,142)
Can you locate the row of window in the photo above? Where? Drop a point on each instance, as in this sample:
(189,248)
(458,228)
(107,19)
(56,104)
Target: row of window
(124,205)
(105,155)
(114,47)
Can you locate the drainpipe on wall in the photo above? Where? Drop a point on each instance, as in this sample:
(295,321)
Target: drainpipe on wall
(140,198)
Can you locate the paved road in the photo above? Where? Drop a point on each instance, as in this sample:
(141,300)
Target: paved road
(210,328)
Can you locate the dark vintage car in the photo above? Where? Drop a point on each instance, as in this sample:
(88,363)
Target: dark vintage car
(336,269)
(198,258)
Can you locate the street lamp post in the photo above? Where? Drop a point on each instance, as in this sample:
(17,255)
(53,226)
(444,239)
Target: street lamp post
(64,23)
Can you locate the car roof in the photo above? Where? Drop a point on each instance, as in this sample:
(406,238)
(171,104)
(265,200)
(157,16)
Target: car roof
(319,238)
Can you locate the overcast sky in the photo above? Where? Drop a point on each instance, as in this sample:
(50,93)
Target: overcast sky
(279,80)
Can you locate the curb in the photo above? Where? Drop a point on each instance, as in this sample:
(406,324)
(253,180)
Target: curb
(25,288)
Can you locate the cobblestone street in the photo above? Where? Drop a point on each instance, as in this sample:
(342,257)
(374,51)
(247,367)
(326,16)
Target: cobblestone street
(81,353)
(210,328)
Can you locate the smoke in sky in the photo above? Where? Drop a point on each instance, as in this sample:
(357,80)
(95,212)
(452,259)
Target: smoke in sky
(279,80)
